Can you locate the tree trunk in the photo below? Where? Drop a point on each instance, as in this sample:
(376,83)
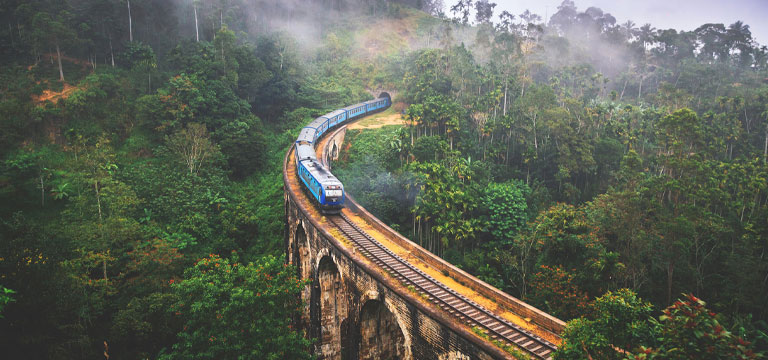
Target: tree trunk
(98,198)
(42,190)
(58,57)
(765,147)
(623,88)
(535,140)
(10,34)
(506,87)
(670,271)
(130,23)
(111,51)
(746,119)
(197,31)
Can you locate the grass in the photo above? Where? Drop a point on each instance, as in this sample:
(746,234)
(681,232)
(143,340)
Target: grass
(509,349)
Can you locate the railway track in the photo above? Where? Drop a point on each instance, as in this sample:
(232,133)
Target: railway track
(449,300)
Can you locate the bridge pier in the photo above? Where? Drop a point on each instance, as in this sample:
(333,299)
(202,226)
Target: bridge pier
(333,309)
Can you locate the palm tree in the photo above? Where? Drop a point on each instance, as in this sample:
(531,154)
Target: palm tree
(629,30)
(713,42)
(739,37)
(646,35)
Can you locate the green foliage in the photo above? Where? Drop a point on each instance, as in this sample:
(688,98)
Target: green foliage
(429,148)
(622,316)
(445,204)
(555,290)
(138,56)
(581,340)
(143,327)
(243,144)
(621,327)
(564,236)
(507,208)
(6,297)
(216,302)
(659,154)
(689,330)
(619,322)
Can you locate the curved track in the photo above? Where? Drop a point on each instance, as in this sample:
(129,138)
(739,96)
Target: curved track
(449,300)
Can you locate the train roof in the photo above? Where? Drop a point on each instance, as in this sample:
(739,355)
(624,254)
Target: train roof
(307,134)
(317,122)
(334,113)
(319,172)
(305,151)
(348,108)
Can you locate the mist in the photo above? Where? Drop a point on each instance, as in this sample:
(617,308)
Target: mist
(305,21)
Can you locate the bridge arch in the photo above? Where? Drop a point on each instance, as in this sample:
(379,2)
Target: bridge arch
(381,335)
(301,252)
(301,258)
(333,308)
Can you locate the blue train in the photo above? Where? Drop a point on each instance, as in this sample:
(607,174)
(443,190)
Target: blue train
(324,188)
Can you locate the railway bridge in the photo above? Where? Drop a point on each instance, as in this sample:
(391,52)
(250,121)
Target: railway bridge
(376,295)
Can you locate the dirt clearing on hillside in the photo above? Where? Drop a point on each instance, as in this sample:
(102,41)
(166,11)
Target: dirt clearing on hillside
(376,122)
(51,95)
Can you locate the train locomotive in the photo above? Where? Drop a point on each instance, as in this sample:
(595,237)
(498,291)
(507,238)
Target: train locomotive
(325,189)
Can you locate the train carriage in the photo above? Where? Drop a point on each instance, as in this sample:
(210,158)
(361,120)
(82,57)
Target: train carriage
(305,152)
(325,189)
(376,104)
(355,110)
(321,124)
(307,135)
(336,117)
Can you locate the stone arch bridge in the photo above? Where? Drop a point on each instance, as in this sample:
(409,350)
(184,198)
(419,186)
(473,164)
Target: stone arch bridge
(356,310)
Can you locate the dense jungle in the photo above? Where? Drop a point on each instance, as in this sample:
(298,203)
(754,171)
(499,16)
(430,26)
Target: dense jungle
(612,174)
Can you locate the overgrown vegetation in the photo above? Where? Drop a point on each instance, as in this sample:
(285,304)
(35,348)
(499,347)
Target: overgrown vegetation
(139,150)
(560,169)
(135,150)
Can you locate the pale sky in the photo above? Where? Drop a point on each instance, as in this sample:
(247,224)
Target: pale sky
(662,14)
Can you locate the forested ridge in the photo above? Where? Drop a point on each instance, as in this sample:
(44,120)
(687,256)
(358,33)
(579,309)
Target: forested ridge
(140,176)
(594,169)
(605,172)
